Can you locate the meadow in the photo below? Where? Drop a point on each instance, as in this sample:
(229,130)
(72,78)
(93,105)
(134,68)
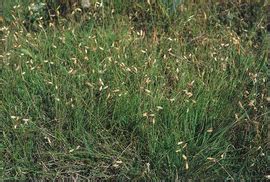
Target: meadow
(135,90)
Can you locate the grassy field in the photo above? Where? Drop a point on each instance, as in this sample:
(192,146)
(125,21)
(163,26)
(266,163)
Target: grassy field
(135,90)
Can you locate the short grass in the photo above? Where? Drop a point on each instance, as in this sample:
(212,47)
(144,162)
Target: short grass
(136,91)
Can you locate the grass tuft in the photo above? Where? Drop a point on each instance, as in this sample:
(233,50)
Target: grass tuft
(142,90)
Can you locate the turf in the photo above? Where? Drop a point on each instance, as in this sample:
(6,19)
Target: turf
(136,91)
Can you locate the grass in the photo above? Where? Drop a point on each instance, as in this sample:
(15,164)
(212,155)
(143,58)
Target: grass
(139,93)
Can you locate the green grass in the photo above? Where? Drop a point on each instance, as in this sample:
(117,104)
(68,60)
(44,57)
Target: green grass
(112,96)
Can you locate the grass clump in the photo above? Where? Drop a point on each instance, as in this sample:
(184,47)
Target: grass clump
(164,97)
